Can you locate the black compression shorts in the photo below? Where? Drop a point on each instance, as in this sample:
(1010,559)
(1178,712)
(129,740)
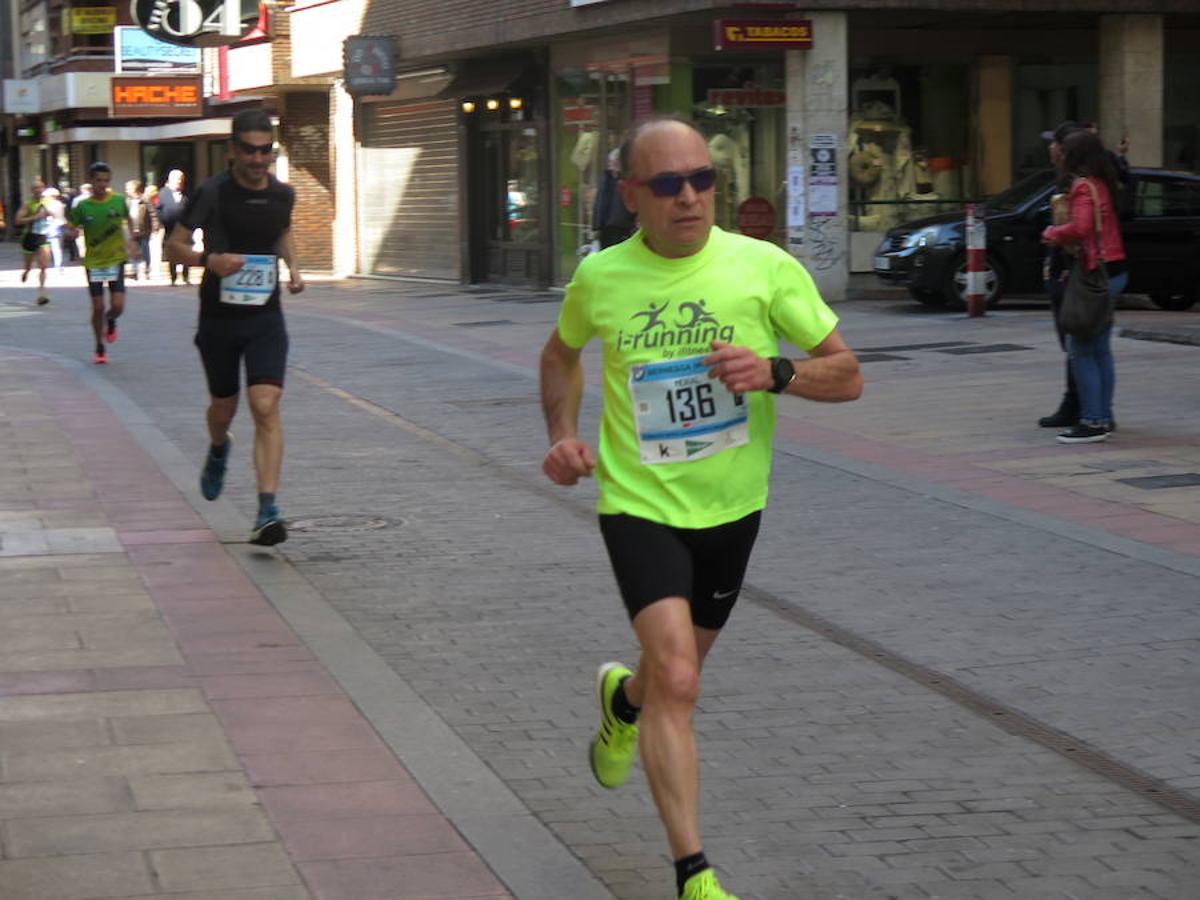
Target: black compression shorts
(261,340)
(703,565)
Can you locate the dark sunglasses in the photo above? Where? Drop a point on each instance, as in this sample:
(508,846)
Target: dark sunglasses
(261,149)
(670,184)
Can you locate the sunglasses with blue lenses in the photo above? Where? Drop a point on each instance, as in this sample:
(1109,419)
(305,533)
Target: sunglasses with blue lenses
(671,184)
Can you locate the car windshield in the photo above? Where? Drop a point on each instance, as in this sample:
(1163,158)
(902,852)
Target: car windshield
(1020,192)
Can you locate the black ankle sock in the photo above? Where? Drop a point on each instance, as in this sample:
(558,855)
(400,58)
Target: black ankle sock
(218,451)
(687,867)
(622,708)
(266,501)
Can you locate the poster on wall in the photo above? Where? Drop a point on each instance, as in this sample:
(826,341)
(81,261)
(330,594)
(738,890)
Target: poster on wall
(823,176)
(795,210)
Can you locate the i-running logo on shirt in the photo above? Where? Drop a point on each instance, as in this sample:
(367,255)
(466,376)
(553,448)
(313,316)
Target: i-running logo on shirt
(690,325)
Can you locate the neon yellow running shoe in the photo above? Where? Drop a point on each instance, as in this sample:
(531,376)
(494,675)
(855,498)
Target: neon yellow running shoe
(704,886)
(615,744)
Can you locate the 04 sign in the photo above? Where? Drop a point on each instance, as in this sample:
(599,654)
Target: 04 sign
(197,23)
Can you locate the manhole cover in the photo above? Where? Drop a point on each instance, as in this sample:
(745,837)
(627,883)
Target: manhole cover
(341,523)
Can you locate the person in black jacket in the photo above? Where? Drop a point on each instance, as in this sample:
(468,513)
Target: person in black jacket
(171,203)
(611,221)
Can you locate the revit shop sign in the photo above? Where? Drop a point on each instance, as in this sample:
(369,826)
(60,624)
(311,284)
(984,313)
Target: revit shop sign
(762,34)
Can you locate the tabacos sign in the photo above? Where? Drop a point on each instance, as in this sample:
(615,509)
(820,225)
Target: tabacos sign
(199,23)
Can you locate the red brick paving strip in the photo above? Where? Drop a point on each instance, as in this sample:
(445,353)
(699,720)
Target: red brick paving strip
(352,819)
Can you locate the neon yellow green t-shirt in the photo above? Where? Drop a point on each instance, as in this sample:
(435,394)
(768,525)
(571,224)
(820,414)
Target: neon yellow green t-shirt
(103,224)
(653,315)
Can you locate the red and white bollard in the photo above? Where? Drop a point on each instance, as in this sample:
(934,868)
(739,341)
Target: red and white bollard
(976,263)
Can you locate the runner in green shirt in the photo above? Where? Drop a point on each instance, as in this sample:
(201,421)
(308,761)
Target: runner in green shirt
(690,318)
(104,220)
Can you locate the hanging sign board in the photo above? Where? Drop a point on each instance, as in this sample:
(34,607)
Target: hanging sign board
(369,64)
(177,96)
(136,51)
(762,34)
(200,23)
(90,20)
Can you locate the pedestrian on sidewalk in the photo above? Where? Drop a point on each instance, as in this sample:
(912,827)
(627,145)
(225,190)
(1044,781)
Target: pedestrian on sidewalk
(1091,198)
(685,445)
(171,202)
(246,215)
(103,219)
(34,218)
(139,224)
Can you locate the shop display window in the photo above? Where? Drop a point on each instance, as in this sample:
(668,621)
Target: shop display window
(594,107)
(907,144)
(742,112)
(1181,115)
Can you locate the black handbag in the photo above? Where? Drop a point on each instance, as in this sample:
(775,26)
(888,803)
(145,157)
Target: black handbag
(1087,306)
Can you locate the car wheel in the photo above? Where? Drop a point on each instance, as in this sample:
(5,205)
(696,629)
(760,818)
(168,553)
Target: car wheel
(927,298)
(1174,300)
(954,289)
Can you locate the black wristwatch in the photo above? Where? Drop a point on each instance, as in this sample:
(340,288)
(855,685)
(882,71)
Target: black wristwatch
(783,371)
(204,255)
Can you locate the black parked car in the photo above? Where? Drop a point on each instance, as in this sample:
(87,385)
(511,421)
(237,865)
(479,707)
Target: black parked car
(1162,243)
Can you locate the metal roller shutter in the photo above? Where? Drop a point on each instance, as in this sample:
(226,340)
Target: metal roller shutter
(408,190)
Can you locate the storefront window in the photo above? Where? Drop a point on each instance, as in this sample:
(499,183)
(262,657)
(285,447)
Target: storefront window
(1181,125)
(908,143)
(512,172)
(742,111)
(159,159)
(1046,94)
(593,110)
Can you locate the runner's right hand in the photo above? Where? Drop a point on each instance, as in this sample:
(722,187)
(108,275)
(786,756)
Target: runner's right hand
(569,460)
(223,264)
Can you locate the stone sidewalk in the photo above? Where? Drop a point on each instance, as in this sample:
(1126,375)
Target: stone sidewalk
(163,732)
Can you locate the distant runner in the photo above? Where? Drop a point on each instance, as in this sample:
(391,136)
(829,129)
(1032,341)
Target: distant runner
(104,220)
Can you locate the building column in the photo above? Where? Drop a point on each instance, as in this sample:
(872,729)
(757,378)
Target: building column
(1131,85)
(345,193)
(818,121)
(994,86)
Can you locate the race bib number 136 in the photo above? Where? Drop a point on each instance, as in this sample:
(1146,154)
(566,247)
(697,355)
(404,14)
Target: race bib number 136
(682,414)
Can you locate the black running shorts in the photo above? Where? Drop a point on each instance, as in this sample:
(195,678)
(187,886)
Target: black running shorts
(32,242)
(116,286)
(260,340)
(704,565)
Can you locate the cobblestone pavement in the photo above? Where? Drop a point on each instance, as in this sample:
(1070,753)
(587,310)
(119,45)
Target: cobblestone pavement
(967,662)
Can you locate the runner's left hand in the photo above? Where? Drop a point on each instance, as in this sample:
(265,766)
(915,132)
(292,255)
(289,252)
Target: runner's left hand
(740,369)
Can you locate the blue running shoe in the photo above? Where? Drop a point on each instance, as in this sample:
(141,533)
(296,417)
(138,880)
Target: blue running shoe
(269,528)
(212,476)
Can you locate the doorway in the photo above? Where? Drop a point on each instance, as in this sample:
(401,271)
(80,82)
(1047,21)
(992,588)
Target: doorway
(507,203)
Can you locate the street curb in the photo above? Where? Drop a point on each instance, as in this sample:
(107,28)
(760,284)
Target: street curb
(525,855)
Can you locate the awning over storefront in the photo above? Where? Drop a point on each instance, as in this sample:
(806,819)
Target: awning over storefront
(480,79)
(195,128)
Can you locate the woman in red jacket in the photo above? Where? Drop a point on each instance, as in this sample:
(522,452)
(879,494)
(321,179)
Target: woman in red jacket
(1085,159)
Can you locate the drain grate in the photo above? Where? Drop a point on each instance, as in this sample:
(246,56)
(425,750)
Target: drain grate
(984,348)
(879,357)
(486,323)
(1158,482)
(342,523)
